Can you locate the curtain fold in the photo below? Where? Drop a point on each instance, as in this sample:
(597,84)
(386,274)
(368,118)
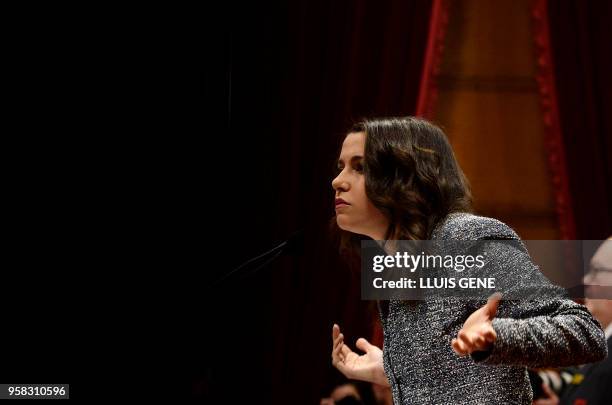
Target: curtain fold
(580,33)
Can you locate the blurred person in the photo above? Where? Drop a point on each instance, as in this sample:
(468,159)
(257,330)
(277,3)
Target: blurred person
(346,394)
(591,383)
(398,179)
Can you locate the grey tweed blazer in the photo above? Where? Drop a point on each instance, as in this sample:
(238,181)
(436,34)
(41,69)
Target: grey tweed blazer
(420,364)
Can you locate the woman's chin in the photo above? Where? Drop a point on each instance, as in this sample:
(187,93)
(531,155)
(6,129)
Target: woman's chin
(343,223)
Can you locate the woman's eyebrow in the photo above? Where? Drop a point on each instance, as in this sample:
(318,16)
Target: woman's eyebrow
(599,268)
(353,159)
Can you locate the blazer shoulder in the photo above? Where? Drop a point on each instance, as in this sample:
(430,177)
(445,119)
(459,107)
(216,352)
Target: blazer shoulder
(466,226)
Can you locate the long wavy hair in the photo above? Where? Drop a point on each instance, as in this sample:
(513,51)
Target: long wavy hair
(411,176)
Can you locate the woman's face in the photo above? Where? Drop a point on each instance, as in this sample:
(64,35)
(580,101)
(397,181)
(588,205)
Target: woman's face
(354,211)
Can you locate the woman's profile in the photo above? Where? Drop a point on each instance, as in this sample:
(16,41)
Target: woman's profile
(398,179)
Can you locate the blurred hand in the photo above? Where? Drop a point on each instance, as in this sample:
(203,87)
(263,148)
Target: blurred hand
(477,333)
(366,367)
(550,399)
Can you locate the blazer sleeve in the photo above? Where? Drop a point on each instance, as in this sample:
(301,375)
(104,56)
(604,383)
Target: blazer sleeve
(542,328)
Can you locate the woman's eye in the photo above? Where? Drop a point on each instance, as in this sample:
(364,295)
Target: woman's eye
(359,167)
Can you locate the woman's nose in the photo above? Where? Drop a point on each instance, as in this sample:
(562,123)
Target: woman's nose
(339,184)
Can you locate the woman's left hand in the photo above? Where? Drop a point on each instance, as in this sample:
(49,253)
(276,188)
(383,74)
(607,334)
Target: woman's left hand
(477,333)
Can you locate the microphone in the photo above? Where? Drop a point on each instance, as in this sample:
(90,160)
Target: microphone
(292,245)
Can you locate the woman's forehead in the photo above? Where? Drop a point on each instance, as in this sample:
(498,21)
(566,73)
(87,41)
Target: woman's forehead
(602,259)
(353,145)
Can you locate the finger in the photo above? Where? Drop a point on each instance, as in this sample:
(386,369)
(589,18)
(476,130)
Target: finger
(343,352)
(335,332)
(336,356)
(492,304)
(338,344)
(490,335)
(339,358)
(336,348)
(339,339)
(363,345)
(480,342)
(458,347)
(464,347)
(466,339)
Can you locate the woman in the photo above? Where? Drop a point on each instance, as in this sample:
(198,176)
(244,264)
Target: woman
(399,180)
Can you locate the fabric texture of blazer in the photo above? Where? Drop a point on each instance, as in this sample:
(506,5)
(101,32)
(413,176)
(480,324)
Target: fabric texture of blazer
(420,363)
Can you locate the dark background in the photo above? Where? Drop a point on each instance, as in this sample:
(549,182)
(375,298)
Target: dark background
(282,83)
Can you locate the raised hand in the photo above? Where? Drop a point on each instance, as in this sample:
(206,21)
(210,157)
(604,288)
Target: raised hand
(477,333)
(365,367)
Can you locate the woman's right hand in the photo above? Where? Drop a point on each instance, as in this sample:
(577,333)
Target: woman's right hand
(365,367)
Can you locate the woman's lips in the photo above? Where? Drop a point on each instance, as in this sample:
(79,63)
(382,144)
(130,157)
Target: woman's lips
(340,203)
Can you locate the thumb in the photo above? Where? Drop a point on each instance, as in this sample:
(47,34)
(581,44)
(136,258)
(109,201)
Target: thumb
(492,304)
(363,345)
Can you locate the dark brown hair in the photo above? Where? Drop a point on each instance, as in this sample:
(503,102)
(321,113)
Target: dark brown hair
(411,176)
